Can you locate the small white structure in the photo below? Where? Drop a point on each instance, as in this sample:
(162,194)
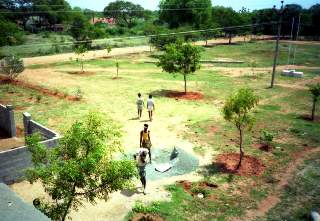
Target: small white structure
(292,73)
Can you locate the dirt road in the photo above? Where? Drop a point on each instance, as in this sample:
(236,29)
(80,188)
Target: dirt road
(116,51)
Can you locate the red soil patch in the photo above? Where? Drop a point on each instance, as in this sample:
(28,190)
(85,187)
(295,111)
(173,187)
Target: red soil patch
(81,73)
(187,96)
(263,147)
(146,217)
(19,132)
(19,108)
(39,89)
(213,129)
(250,166)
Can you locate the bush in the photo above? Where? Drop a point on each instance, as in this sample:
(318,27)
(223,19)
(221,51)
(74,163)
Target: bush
(267,137)
(10,33)
(139,207)
(78,94)
(12,66)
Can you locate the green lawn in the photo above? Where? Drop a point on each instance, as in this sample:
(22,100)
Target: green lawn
(279,111)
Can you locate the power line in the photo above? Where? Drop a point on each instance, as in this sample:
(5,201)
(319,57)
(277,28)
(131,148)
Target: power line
(148,36)
(76,11)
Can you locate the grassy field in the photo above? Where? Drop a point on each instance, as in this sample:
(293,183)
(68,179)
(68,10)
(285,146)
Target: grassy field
(52,43)
(197,122)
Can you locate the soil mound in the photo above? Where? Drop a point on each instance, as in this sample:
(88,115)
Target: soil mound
(250,166)
(185,96)
(146,217)
(81,73)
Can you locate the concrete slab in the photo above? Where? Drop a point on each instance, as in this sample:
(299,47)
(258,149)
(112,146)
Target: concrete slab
(13,207)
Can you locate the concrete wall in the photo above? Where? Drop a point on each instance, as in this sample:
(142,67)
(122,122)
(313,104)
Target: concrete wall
(14,162)
(7,123)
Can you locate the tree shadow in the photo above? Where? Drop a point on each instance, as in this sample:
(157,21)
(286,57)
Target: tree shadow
(216,168)
(161,93)
(129,193)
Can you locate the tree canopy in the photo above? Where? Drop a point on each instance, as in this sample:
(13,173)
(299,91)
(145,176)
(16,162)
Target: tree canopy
(183,58)
(237,110)
(124,12)
(187,12)
(81,167)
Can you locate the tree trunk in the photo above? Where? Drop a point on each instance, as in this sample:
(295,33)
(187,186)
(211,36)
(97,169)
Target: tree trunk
(313,109)
(241,152)
(69,203)
(230,37)
(185,83)
(117,71)
(82,65)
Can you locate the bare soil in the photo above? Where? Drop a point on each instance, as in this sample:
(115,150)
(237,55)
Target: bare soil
(274,198)
(213,130)
(82,73)
(185,96)
(250,166)
(263,147)
(146,217)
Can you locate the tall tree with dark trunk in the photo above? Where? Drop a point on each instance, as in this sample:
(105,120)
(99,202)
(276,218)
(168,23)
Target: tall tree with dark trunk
(124,12)
(315,92)
(81,168)
(237,110)
(227,18)
(186,12)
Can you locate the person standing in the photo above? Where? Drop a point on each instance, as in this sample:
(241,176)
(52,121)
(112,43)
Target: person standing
(140,105)
(150,107)
(145,141)
(141,159)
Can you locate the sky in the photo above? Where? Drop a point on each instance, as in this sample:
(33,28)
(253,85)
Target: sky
(99,5)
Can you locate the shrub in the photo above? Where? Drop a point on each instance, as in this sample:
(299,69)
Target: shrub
(12,66)
(139,207)
(267,137)
(78,93)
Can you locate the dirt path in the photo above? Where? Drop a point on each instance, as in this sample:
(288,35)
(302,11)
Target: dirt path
(90,55)
(116,51)
(274,198)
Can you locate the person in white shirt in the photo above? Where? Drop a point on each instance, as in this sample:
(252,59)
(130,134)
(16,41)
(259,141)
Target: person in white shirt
(140,105)
(142,159)
(150,107)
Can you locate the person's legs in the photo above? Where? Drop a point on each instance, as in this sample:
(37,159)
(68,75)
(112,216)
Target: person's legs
(150,154)
(149,115)
(140,113)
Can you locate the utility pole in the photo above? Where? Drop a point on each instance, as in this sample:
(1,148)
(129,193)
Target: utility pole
(276,53)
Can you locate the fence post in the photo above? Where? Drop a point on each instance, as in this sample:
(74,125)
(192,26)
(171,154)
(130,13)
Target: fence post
(26,122)
(12,124)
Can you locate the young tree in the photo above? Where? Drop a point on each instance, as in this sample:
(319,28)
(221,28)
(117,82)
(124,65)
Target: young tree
(80,50)
(237,110)
(315,91)
(82,167)
(183,58)
(12,66)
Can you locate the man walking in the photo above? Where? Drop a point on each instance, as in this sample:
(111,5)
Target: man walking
(145,141)
(150,107)
(140,105)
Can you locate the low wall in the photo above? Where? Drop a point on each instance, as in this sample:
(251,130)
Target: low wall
(7,123)
(14,162)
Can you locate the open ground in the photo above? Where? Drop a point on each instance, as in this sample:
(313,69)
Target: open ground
(197,126)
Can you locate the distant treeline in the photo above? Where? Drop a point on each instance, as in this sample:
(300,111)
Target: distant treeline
(20,17)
